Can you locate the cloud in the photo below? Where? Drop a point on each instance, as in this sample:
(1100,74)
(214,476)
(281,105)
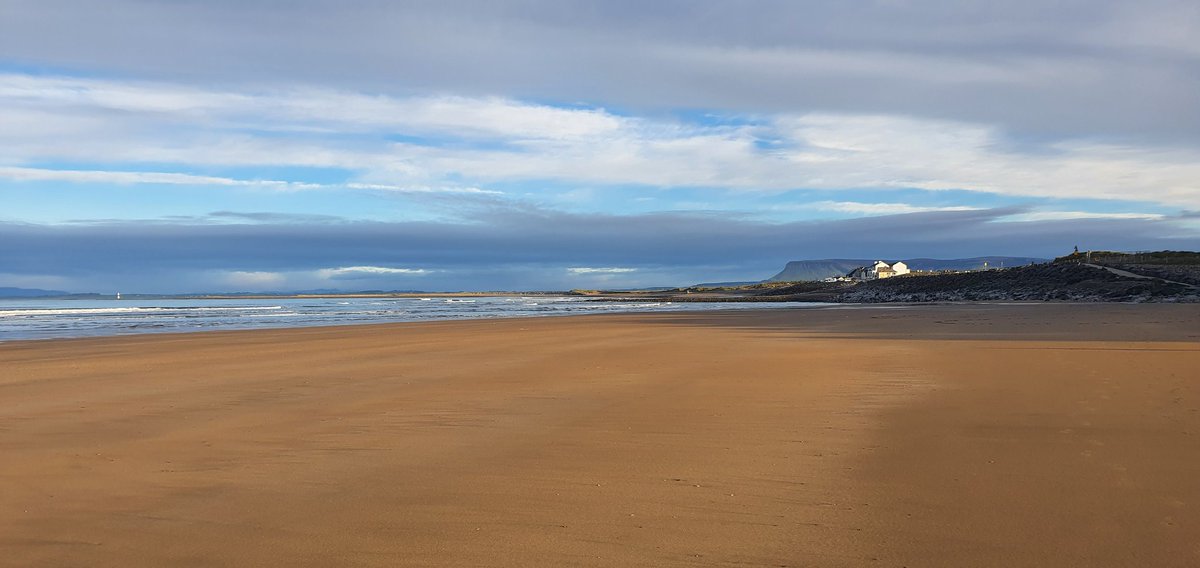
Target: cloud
(1060,215)
(461,145)
(534,249)
(268,217)
(421,189)
(21,174)
(311,110)
(119,177)
(1096,67)
(862,208)
(599,270)
(358,272)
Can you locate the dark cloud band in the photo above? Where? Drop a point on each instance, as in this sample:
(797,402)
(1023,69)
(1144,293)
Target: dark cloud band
(505,240)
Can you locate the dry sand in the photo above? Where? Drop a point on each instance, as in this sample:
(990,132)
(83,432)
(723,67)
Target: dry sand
(1050,435)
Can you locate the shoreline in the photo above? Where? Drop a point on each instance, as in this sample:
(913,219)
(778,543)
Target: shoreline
(942,435)
(797,305)
(358,324)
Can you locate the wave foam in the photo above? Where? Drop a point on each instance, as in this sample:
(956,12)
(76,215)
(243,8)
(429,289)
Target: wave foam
(141,309)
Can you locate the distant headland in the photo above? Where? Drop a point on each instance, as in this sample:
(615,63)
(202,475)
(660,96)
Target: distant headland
(1092,276)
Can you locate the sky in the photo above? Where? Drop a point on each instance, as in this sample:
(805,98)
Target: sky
(184,146)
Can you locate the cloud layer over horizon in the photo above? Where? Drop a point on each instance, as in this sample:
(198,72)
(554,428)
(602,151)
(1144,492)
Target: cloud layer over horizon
(522,249)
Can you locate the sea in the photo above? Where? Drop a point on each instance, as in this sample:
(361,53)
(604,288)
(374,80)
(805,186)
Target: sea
(22,319)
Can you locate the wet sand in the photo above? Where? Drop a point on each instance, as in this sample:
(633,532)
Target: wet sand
(1052,435)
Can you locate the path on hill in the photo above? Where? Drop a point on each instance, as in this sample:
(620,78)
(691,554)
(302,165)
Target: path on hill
(1127,274)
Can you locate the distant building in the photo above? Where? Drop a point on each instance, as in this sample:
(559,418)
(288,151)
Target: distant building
(878,270)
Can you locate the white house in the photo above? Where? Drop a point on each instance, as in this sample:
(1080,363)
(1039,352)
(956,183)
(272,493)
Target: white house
(878,270)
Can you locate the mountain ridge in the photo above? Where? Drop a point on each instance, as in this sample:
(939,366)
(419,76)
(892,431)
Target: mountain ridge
(10,292)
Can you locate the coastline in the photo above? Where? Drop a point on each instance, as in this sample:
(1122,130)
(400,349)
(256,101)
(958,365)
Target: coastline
(49,319)
(687,306)
(948,434)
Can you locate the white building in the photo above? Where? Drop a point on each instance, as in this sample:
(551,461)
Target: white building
(878,270)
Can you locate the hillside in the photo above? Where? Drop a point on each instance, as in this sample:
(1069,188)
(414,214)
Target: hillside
(7,292)
(1042,282)
(1179,266)
(974,263)
(809,270)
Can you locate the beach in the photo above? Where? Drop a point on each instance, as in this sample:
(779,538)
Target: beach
(938,435)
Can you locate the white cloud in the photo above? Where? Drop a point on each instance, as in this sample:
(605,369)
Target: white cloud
(461,144)
(861,208)
(488,117)
(422,189)
(120,177)
(172,178)
(352,272)
(599,270)
(313,110)
(1064,215)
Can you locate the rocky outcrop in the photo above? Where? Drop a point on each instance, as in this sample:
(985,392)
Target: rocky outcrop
(1041,282)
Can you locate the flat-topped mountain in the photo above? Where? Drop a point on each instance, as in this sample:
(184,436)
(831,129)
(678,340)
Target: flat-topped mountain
(808,270)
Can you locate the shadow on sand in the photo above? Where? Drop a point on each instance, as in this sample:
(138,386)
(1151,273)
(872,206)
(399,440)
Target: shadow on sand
(946,322)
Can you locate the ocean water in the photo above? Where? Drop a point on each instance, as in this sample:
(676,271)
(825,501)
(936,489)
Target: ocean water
(46,319)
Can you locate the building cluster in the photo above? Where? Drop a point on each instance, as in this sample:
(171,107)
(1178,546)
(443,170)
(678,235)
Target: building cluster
(878,270)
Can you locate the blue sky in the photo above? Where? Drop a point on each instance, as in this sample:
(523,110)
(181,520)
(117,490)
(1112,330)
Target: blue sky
(178,146)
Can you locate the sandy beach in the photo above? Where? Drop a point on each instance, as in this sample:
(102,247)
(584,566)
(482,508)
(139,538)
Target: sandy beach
(992,435)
